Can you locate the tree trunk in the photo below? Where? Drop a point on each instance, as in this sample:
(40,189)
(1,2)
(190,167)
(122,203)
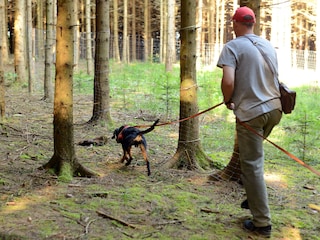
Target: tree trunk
(76,37)
(199,23)
(30,55)
(147,34)
(3,33)
(163,29)
(125,41)
(101,106)
(116,53)
(20,53)
(49,51)
(88,38)
(189,153)
(64,160)
(134,32)
(40,27)
(211,32)
(171,36)
(2,91)
(318,42)
(2,85)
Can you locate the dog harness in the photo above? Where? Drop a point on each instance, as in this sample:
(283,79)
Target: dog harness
(120,135)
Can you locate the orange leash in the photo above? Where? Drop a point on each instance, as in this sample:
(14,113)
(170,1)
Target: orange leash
(184,119)
(282,149)
(246,126)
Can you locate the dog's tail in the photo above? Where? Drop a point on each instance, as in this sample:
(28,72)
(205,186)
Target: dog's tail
(150,128)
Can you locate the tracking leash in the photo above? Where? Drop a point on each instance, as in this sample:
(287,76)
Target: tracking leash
(302,163)
(282,149)
(184,119)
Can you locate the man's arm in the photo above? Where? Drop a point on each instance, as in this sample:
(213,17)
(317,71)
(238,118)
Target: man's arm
(227,85)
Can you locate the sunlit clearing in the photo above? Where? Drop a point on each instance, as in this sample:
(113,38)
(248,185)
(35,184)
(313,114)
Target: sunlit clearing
(292,233)
(275,178)
(19,205)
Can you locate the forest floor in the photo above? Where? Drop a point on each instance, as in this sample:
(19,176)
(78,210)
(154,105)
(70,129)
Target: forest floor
(123,203)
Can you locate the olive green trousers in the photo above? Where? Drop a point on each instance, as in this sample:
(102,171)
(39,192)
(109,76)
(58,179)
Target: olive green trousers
(252,164)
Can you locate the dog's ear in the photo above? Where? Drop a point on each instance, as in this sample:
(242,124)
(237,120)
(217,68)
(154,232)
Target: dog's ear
(115,133)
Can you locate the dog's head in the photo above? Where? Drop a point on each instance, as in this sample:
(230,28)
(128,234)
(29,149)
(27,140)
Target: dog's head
(117,134)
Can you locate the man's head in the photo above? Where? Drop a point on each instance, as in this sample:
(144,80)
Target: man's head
(244,15)
(243,21)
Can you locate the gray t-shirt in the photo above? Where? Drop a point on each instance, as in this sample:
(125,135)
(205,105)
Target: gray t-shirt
(256,88)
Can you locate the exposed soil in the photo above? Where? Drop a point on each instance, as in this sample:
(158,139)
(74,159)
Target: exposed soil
(123,203)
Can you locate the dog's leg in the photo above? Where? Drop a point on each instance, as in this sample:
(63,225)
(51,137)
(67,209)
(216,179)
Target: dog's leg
(145,156)
(124,157)
(130,156)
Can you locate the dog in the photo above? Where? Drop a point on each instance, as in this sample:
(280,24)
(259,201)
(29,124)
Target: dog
(132,136)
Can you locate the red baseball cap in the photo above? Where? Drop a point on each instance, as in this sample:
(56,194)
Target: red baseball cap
(244,14)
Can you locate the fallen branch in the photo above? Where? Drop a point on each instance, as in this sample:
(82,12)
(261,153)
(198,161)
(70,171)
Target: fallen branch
(87,226)
(103,214)
(169,222)
(207,210)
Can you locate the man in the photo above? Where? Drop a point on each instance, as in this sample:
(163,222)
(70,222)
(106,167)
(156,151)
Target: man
(251,90)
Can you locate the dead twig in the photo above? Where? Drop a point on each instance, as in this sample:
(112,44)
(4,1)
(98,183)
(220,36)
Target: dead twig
(168,222)
(207,210)
(106,215)
(88,225)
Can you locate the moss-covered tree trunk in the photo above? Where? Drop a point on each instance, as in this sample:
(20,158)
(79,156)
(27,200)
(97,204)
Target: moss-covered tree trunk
(101,106)
(64,161)
(189,153)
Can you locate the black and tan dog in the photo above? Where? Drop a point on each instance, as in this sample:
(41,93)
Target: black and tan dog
(132,136)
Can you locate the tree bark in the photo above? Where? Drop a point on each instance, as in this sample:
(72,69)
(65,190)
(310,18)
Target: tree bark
(2,91)
(125,41)
(116,53)
(101,106)
(88,38)
(189,152)
(40,27)
(134,32)
(20,53)
(3,32)
(29,44)
(2,85)
(147,34)
(163,30)
(171,36)
(49,51)
(64,161)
